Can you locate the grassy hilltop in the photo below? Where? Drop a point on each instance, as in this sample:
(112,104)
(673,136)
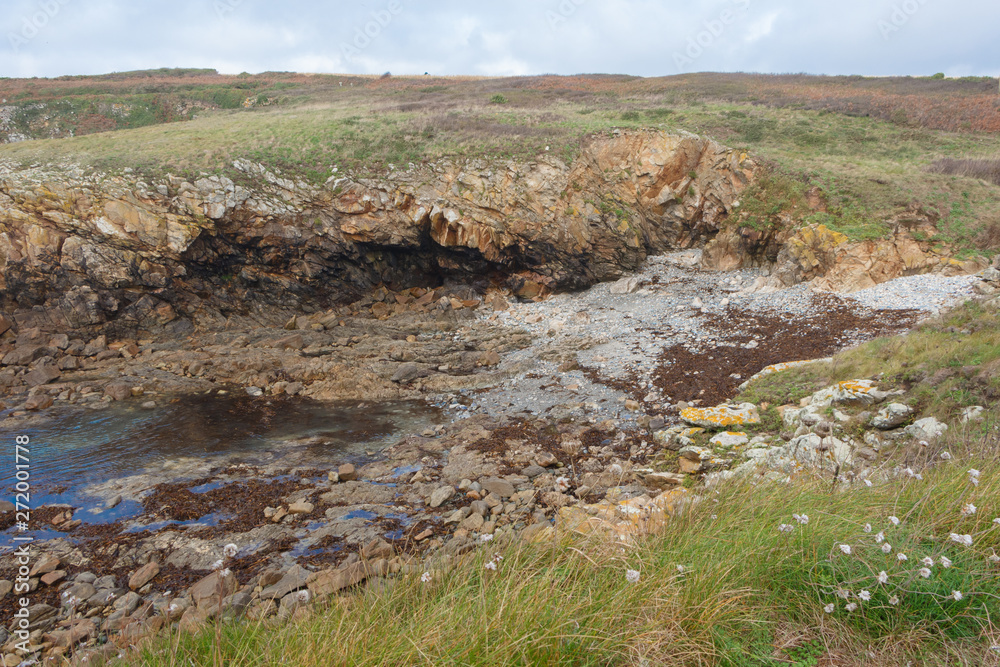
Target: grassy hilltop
(873,147)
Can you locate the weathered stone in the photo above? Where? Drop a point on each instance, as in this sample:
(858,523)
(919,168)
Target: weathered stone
(501,487)
(38,402)
(347,473)
(729,439)
(891,416)
(44,374)
(328,582)
(143,575)
(292,580)
(441,496)
(662,480)
(301,507)
(926,429)
(722,416)
(210,590)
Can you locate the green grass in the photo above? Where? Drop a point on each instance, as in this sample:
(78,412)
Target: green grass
(749,594)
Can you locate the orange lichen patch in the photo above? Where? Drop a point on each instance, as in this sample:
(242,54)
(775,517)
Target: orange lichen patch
(722,416)
(691,432)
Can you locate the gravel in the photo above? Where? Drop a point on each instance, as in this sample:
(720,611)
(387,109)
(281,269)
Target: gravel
(620,337)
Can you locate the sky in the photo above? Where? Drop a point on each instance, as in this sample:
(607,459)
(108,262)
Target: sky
(502,37)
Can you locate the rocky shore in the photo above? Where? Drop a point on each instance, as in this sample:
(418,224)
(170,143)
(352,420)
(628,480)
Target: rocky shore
(602,409)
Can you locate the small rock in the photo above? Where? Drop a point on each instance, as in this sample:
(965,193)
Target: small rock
(972,414)
(441,496)
(501,487)
(301,507)
(38,402)
(891,416)
(347,473)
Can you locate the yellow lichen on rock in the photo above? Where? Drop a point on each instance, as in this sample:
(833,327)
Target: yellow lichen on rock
(721,416)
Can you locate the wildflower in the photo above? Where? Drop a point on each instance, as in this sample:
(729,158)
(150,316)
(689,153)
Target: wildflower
(945,562)
(880,538)
(918,477)
(894,600)
(485,538)
(680,568)
(562,484)
(302,596)
(961,539)
(225,572)
(901,557)
(909,472)
(868,528)
(846,548)
(928,561)
(425,577)
(957,595)
(994,558)
(786,528)
(894,520)
(974,476)
(230,550)
(997,521)
(886,548)
(883,578)
(841,593)
(829,608)
(497,558)
(217,565)
(868,483)
(632,576)
(490,566)
(924,572)
(924,443)
(946,456)
(801,518)
(865,595)
(851,606)
(969,510)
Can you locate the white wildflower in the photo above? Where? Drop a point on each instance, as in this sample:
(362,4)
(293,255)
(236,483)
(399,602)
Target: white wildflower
(894,600)
(883,578)
(680,568)
(997,521)
(865,595)
(901,557)
(961,539)
(924,572)
(994,558)
(846,548)
(969,509)
(946,456)
(928,561)
(886,548)
(868,483)
(490,566)
(945,562)
(786,528)
(924,443)
(801,518)
(851,606)
(829,608)
(974,476)
(632,576)
(841,593)
(867,528)
(497,558)
(957,595)
(217,565)
(485,538)
(918,476)
(909,472)
(302,596)
(562,484)
(425,577)
(230,550)
(225,572)
(880,538)
(894,520)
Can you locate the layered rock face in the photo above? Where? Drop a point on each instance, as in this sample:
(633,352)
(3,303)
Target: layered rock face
(90,251)
(830,261)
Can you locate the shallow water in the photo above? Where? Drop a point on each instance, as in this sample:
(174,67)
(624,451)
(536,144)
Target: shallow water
(81,447)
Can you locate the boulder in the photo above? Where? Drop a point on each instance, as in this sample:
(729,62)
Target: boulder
(44,374)
(891,416)
(143,575)
(501,487)
(722,416)
(441,496)
(928,428)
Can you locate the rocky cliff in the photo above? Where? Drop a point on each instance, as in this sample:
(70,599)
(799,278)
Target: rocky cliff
(84,250)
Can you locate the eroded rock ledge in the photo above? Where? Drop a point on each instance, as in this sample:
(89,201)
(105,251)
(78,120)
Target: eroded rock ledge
(86,250)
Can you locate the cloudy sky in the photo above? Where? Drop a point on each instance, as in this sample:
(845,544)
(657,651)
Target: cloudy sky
(508,37)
